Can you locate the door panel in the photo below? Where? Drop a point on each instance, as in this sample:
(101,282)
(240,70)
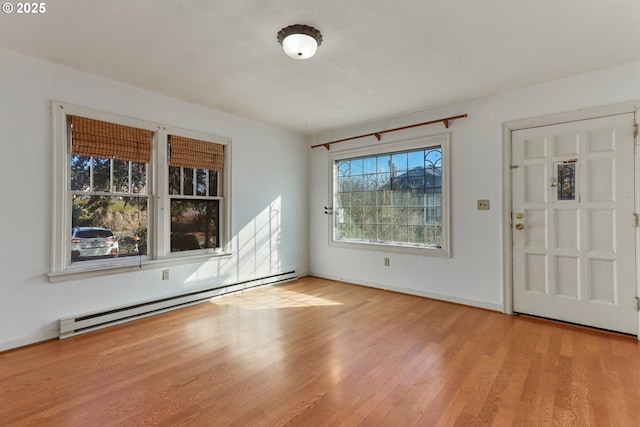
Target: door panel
(574,238)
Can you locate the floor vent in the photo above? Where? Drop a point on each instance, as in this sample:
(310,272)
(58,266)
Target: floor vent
(74,325)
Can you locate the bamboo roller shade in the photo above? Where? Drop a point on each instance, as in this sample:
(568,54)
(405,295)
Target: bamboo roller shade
(194,153)
(96,138)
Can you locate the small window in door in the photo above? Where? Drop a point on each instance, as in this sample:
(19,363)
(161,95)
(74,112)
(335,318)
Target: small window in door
(565,181)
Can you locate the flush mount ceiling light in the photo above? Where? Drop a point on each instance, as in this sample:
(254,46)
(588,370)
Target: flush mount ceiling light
(300,41)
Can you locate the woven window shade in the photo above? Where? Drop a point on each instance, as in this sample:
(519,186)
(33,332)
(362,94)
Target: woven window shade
(194,153)
(90,137)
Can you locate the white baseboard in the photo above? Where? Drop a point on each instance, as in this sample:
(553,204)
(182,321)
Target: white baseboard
(86,322)
(48,334)
(410,291)
(28,340)
(54,333)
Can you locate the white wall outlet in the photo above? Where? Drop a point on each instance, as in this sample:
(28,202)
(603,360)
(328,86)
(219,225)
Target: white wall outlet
(165,274)
(483,204)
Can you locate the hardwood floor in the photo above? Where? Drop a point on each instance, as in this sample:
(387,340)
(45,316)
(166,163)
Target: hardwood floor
(322,353)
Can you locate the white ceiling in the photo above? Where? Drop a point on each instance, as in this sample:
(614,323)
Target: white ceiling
(378,57)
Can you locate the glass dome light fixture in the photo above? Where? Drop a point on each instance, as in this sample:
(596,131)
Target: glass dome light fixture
(299,41)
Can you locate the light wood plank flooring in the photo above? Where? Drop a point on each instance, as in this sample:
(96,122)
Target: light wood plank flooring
(321,353)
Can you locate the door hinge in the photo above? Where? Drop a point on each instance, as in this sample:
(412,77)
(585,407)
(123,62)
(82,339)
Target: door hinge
(636,220)
(637,304)
(635,129)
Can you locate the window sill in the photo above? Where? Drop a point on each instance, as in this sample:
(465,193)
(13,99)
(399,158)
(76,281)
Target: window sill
(386,247)
(147,264)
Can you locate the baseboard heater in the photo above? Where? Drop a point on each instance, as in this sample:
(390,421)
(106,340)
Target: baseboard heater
(74,325)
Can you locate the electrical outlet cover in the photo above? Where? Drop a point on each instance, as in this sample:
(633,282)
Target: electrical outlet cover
(483,204)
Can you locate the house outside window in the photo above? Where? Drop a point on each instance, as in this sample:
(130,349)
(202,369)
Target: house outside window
(128,191)
(393,197)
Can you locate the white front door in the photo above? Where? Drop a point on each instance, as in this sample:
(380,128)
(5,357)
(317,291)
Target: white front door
(574,224)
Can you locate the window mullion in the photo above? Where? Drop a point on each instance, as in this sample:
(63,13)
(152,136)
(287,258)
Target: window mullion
(162,205)
(111,184)
(181,192)
(91,160)
(129,177)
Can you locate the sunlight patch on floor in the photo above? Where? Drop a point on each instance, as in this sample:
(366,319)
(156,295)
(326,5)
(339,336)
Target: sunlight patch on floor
(274,298)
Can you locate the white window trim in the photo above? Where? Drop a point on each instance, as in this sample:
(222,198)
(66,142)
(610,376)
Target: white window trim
(159,222)
(441,140)
(164,244)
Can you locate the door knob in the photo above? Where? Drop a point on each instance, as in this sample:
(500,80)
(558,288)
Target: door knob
(519,226)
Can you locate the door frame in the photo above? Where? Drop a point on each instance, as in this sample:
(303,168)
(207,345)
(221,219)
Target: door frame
(552,119)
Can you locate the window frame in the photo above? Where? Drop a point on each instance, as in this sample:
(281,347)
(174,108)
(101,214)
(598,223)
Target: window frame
(224,188)
(442,141)
(158,250)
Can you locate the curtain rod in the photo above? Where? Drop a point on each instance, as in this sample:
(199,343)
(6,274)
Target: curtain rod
(378,135)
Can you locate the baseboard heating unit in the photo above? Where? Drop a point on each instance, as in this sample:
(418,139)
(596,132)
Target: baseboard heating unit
(74,325)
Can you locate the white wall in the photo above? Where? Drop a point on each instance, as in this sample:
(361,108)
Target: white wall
(473,274)
(269,185)
(273,190)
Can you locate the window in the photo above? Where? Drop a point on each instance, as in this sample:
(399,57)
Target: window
(393,197)
(127,192)
(108,187)
(194,191)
